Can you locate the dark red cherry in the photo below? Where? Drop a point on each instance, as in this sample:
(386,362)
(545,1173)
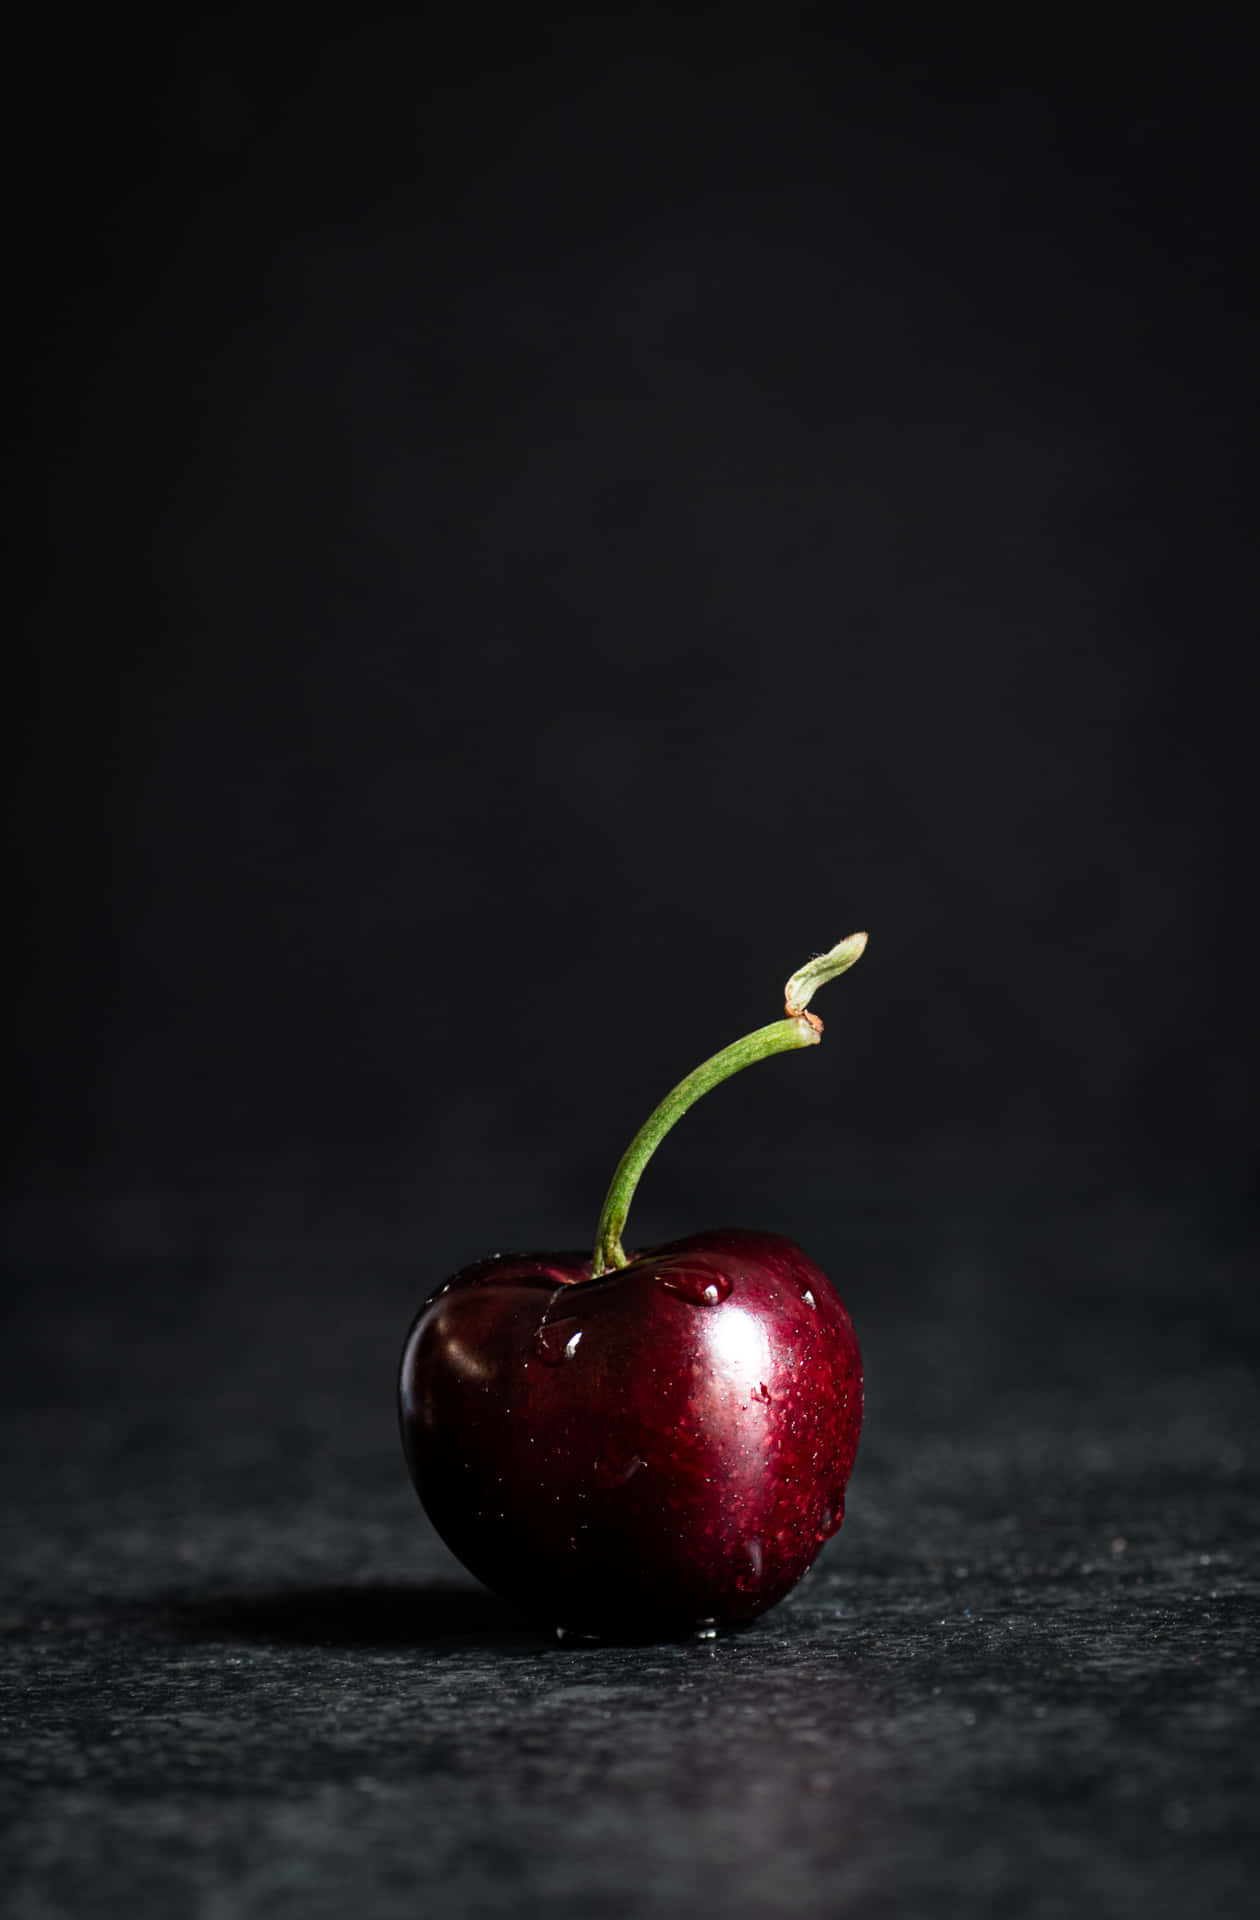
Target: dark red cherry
(666,1446)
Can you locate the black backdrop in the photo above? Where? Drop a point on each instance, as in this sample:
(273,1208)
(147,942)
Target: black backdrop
(541,522)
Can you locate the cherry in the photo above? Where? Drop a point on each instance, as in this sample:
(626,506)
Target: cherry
(649,1442)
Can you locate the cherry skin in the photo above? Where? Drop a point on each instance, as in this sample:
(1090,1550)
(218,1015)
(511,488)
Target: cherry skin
(666,1446)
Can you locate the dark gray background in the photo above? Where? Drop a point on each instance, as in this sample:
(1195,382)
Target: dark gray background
(535,524)
(544,526)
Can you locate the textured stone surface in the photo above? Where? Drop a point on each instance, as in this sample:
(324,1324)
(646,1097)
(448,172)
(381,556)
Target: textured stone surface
(243,1678)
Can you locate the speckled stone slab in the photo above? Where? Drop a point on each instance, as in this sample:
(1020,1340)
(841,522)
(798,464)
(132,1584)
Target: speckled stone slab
(243,1678)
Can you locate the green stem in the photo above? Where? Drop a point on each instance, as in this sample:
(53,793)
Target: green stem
(797,1029)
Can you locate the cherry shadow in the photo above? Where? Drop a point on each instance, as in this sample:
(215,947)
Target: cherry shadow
(433,1616)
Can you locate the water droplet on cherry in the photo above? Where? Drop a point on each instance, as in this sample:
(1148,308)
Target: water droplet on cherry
(557,1341)
(699,1285)
(614,1474)
(750,1577)
(808,1298)
(832,1517)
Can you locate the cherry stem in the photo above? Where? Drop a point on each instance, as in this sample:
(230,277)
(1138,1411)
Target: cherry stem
(797,1029)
